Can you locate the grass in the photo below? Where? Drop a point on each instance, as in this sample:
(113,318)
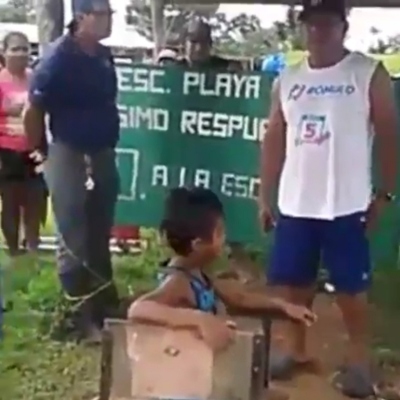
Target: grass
(33,367)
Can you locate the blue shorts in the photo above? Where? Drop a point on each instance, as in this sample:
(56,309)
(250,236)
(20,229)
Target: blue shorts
(301,244)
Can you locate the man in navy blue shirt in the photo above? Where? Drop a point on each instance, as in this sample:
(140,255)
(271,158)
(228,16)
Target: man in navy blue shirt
(75,85)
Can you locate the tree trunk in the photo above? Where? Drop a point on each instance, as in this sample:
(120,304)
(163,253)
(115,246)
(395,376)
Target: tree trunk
(50,21)
(158,25)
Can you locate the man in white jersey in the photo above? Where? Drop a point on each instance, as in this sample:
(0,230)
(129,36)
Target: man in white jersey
(318,145)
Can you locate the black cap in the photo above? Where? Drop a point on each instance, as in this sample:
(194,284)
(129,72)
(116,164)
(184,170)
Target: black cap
(335,7)
(199,31)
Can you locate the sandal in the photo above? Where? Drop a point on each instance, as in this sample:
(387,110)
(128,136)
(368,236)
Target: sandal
(354,381)
(283,367)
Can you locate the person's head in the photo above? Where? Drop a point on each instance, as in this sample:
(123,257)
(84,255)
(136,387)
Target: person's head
(193,224)
(235,66)
(92,19)
(16,51)
(198,41)
(167,57)
(324,24)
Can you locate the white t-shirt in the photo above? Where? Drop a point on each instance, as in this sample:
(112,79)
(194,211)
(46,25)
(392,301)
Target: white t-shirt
(327,170)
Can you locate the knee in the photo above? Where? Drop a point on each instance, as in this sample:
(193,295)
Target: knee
(69,212)
(353,282)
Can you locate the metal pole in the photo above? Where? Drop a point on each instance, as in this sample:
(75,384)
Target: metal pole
(50,21)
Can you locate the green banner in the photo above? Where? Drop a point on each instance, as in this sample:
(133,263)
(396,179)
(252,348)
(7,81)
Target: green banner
(184,128)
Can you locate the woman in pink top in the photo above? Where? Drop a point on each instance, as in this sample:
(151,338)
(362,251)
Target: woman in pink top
(21,183)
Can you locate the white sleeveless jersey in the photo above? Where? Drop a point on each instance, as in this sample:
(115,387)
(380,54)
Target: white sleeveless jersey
(327,170)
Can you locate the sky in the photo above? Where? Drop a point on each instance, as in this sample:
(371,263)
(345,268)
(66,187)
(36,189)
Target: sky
(361,20)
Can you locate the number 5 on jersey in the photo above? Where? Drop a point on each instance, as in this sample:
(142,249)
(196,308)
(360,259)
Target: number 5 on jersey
(311,128)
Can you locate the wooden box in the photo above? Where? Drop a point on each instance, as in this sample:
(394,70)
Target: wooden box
(149,362)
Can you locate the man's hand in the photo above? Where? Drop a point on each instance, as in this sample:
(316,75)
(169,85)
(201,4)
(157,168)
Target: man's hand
(374,211)
(266,217)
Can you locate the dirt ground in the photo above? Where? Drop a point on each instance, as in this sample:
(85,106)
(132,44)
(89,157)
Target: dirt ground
(327,338)
(327,342)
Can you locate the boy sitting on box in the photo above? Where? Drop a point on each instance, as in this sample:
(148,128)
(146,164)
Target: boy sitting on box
(193,226)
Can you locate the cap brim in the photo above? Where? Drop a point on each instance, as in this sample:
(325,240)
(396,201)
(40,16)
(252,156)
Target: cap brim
(94,10)
(305,14)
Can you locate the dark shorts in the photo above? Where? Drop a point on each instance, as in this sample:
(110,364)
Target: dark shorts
(17,167)
(301,244)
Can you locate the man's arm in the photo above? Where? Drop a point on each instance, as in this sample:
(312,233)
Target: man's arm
(40,96)
(384,121)
(272,148)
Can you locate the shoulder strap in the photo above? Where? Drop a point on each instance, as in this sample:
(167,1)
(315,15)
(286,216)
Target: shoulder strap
(203,291)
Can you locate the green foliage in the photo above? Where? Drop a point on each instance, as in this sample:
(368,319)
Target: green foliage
(241,35)
(32,366)
(21,11)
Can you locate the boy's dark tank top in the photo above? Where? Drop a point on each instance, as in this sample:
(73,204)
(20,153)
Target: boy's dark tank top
(204,293)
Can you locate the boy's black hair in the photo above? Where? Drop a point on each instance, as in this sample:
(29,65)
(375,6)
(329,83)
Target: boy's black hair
(189,213)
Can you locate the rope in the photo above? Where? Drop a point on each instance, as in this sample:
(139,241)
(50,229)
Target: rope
(86,297)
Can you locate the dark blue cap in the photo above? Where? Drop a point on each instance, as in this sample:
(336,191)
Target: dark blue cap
(334,7)
(90,6)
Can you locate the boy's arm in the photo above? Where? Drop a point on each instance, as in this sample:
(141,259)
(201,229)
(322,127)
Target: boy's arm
(163,306)
(235,295)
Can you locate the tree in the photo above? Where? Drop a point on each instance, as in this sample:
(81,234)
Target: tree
(241,35)
(288,32)
(382,45)
(138,13)
(20,11)
(244,35)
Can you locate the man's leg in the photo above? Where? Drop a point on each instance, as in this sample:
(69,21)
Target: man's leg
(65,177)
(293,270)
(100,211)
(346,255)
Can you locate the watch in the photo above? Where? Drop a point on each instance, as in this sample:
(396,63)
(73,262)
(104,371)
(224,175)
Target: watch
(387,196)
